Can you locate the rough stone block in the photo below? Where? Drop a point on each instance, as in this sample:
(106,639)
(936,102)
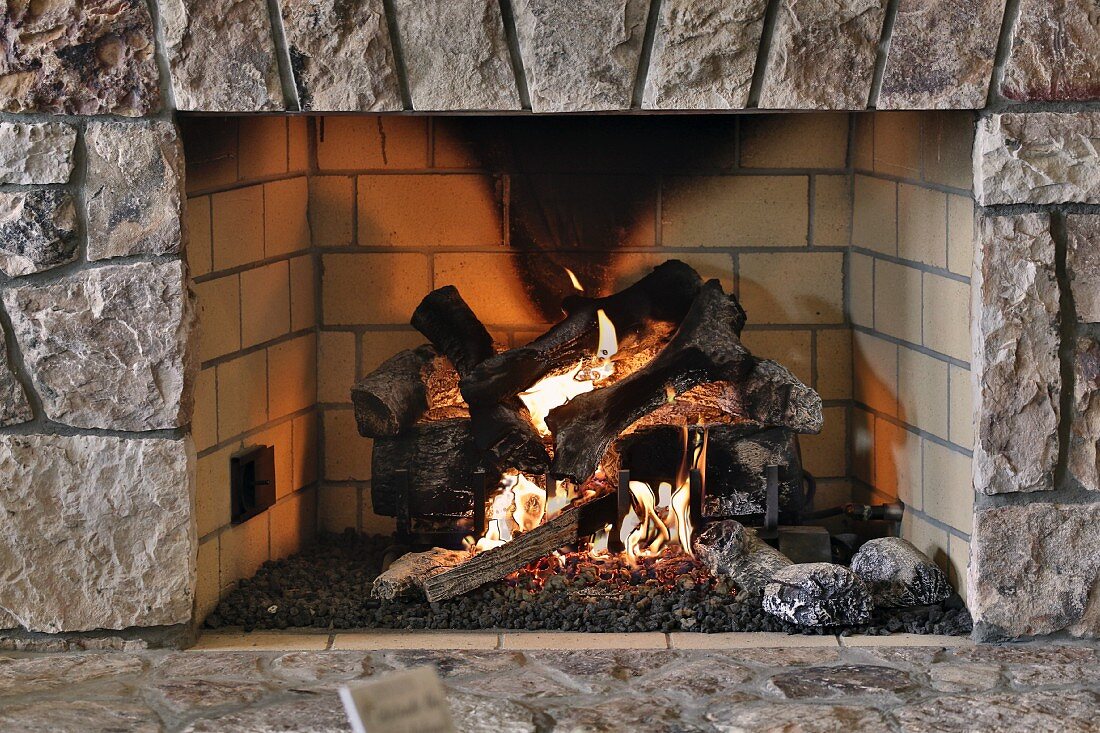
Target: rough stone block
(704,53)
(1015,330)
(941,54)
(221,54)
(109,347)
(37,231)
(341,56)
(1084,441)
(98,532)
(822,54)
(1083,265)
(456,56)
(1035,569)
(1054,52)
(580,55)
(135,189)
(1037,158)
(36,153)
(79,58)
(14,407)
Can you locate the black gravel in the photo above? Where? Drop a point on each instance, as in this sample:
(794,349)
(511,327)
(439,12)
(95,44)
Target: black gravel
(328,586)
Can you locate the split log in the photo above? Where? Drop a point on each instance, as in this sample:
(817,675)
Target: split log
(494,564)
(736,458)
(705,348)
(441,459)
(663,295)
(504,429)
(730,549)
(406,576)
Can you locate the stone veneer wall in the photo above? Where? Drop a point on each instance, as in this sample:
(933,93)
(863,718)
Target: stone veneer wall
(909,285)
(92,277)
(251,260)
(401,205)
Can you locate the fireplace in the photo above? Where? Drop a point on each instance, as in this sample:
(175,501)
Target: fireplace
(215,232)
(326,242)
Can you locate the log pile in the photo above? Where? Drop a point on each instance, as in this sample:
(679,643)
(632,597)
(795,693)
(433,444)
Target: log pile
(446,413)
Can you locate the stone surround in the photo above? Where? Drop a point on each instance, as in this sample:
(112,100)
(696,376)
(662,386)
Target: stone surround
(856,686)
(97,371)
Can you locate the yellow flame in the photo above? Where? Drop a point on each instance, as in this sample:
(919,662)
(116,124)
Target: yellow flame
(651,534)
(680,529)
(555,391)
(598,544)
(492,537)
(657,521)
(573,279)
(530,504)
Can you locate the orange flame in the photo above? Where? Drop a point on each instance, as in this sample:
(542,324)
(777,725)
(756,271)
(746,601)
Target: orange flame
(573,279)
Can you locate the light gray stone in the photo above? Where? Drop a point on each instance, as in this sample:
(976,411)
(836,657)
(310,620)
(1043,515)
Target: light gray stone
(36,153)
(941,54)
(841,681)
(704,53)
(135,188)
(818,594)
(14,406)
(1035,569)
(1055,52)
(1083,264)
(221,54)
(37,231)
(1005,712)
(730,549)
(1016,318)
(456,56)
(1084,440)
(341,56)
(822,54)
(189,696)
(109,347)
(98,531)
(79,58)
(311,667)
(1037,158)
(964,677)
(31,675)
(304,713)
(898,574)
(580,55)
(474,713)
(80,716)
(800,717)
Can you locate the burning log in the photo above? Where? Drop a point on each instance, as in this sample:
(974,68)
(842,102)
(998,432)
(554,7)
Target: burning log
(664,295)
(705,348)
(504,429)
(494,564)
(442,460)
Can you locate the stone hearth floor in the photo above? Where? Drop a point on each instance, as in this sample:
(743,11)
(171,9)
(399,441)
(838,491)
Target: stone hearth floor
(238,683)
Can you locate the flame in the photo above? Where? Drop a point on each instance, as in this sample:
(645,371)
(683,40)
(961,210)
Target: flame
(492,537)
(573,279)
(598,545)
(530,504)
(555,391)
(680,529)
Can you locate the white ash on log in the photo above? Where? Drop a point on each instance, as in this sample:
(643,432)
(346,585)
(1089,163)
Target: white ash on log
(489,565)
(705,348)
(898,574)
(406,576)
(436,463)
(662,296)
(504,429)
(728,548)
(409,386)
(818,594)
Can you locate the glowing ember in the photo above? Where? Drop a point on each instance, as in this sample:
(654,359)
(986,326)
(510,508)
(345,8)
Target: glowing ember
(555,391)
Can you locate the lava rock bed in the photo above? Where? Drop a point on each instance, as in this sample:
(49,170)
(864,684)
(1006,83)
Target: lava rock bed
(328,586)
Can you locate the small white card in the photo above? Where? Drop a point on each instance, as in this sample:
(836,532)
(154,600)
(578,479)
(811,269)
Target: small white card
(402,702)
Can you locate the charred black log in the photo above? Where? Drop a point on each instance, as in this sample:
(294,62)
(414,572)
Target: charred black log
(442,459)
(663,295)
(706,348)
(504,429)
(484,567)
(393,396)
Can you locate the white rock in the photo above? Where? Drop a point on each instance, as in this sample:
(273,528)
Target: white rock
(1016,339)
(36,153)
(1037,158)
(1083,264)
(1084,439)
(14,407)
(456,57)
(135,188)
(98,532)
(109,347)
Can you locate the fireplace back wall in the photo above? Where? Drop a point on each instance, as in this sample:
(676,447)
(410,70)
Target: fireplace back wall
(312,240)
